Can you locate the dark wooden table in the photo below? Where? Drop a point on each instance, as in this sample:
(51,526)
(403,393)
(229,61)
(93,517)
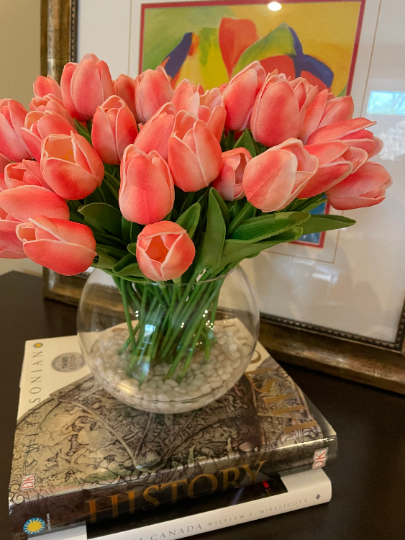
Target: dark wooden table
(368,479)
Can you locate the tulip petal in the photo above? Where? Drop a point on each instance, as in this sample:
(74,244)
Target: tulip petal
(66,259)
(338,110)
(339,130)
(325,178)
(69,180)
(8,237)
(368,177)
(185,166)
(66,84)
(327,152)
(30,201)
(86,88)
(67,231)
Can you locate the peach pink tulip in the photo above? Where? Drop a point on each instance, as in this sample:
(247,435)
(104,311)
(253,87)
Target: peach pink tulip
(279,109)
(164,251)
(26,173)
(275,178)
(12,116)
(124,87)
(114,128)
(324,110)
(152,90)
(70,166)
(240,94)
(195,156)
(147,190)
(58,244)
(155,134)
(229,181)
(336,161)
(51,103)
(23,202)
(352,132)
(85,86)
(185,94)
(365,187)
(38,125)
(46,85)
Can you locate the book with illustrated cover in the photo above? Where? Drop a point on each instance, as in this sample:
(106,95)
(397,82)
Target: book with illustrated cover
(80,455)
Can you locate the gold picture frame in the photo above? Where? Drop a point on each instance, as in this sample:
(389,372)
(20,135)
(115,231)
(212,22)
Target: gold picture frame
(350,356)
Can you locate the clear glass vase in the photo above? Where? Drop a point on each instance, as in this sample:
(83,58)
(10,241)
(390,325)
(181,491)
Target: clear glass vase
(168,348)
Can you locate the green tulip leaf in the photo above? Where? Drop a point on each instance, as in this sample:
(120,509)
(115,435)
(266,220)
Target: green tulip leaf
(135,230)
(222,205)
(104,261)
(103,215)
(214,236)
(326,223)
(237,250)
(84,132)
(259,228)
(246,212)
(132,248)
(96,196)
(246,141)
(189,219)
(111,251)
(127,266)
(126,230)
(109,193)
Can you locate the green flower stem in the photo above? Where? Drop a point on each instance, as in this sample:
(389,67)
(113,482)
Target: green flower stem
(125,346)
(121,287)
(133,297)
(210,335)
(191,352)
(140,348)
(162,287)
(239,218)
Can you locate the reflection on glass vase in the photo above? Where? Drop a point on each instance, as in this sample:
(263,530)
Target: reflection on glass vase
(168,347)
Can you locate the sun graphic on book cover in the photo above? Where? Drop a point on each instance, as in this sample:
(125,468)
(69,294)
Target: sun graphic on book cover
(34,526)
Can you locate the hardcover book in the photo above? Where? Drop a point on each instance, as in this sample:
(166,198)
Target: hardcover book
(80,455)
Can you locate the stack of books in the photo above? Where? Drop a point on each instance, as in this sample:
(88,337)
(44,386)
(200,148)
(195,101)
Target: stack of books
(87,466)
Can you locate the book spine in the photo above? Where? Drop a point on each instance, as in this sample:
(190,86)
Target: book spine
(304,496)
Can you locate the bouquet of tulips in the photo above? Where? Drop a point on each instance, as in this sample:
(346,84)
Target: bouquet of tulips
(155,184)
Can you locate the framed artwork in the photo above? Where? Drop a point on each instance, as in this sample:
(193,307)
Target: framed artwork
(332,301)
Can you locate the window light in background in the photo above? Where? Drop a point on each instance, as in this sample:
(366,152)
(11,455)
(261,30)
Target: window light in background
(274,6)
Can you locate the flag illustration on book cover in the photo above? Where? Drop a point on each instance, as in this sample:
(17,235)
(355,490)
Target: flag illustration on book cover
(82,455)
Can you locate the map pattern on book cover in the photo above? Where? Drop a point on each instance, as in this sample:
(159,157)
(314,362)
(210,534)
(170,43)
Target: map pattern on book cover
(81,454)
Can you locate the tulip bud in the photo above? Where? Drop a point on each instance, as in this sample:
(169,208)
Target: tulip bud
(38,125)
(10,245)
(155,134)
(12,116)
(28,201)
(164,251)
(195,156)
(46,85)
(124,87)
(152,90)
(70,166)
(365,187)
(85,86)
(50,103)
(275,178)
(229,181)
(60,245)
(114,128)
(240,94)
(3,163)
(26,173)
(147,190)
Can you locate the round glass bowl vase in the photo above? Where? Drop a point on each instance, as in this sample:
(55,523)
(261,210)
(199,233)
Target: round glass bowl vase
(168,348)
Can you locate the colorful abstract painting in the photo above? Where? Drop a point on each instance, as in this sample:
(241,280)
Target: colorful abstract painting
(208,42)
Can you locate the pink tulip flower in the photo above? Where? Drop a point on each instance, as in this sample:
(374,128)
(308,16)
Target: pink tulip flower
(27,201)
(70,166)
(155,134)
(240,94)
(275,178)
(38,125)
(3,163)
(195,156)
(10,245)
(365,187)
(229,181)
(152,90)
(164,251)
(58,244)
(352,132)
(124,87)
(85,86)
(336,162)
(114,128)
(12,116)
(26,173)
(50,103)
(324,110)
(46,85)
(184,96)
(147,190)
